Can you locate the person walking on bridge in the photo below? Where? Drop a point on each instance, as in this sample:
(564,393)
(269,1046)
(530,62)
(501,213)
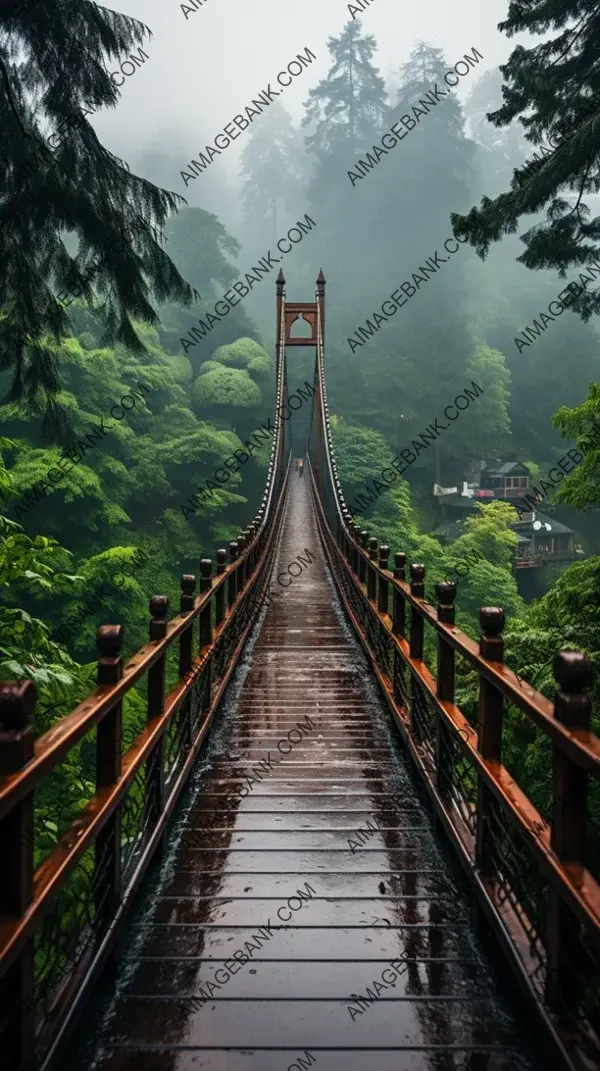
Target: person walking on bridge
(300,466)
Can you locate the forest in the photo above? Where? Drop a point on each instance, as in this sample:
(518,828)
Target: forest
(112,422)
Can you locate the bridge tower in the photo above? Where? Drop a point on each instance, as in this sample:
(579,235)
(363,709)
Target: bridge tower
(313,313)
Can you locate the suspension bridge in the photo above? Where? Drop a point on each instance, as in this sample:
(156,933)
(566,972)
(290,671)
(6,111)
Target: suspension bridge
(306,852)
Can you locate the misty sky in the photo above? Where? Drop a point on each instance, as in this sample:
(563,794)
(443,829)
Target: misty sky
(205,70)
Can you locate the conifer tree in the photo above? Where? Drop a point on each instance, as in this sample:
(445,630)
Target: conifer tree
(432,167)
(346,108)
(554,89)
(56,178)
(271,165)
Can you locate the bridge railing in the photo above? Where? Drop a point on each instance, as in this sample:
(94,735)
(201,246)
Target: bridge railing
(113,788)
(535,878)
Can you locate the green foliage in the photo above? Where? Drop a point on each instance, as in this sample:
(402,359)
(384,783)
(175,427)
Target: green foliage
(126,492)
(480,562)
(393,523)
(487,531)
(566,618)
(582,487)
(242,353)
(360,453)
(56,64)
(488,422)
(485,585)
(552,87)
(27,651)
(181,367)
(201,248)
(226,387)
(31,570)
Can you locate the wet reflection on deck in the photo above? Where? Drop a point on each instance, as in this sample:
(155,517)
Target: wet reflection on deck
(185,1000)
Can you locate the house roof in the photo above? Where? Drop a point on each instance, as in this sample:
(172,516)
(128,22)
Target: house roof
(557,527)
(506,468)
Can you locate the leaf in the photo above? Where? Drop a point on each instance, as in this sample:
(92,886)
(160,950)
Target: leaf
(42,676)
(62,676)
(14,667)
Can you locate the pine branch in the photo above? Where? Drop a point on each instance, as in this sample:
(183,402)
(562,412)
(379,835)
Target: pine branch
(11,101)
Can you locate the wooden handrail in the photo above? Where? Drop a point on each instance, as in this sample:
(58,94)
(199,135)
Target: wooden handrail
(83,832)
(28,898)
(490,811)
(52,746)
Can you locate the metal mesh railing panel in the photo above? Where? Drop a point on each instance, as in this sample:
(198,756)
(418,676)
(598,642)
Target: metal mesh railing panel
(520,883)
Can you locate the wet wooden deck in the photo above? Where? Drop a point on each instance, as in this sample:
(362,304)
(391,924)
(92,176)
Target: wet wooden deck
(185,1002)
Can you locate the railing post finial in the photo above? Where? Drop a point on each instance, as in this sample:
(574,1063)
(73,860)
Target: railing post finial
(417,581)
(491,644)
(573,671)
(159,617)
(186,600)
(446,594)
(109,640)
(399,565)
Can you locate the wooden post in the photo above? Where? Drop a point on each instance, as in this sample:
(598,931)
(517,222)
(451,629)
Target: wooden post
(417,627)
(17,705)
(246,569)
(399,612)
(259,537)
(399,629)
(241,542)
(155,765)
(383,589)
(206,629)
(417,588)
(250,534)
(362,562)
(446,594)
(186,654)
(491,713)
(109,743)
(231,582)
(573,672)
(345,530)
(353,545)
(371,572)
(220,595)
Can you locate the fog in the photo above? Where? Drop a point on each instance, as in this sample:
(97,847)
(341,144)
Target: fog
(205,68)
